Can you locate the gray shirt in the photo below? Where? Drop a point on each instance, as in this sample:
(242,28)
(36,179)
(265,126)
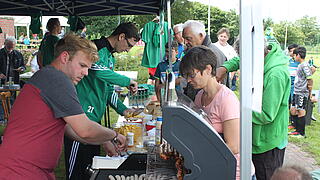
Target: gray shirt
(301,80)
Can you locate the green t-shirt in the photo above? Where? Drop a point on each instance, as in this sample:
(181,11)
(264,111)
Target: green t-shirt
(47,49)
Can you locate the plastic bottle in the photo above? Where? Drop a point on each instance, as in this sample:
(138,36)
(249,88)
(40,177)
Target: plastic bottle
(158,130)
(130,136)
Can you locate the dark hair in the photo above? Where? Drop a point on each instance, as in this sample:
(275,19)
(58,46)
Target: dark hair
(198,57)
(51,23)
(174,45)
(300,51)
(129,29)
(291,46)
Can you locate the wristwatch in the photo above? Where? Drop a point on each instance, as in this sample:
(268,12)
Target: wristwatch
(115,139)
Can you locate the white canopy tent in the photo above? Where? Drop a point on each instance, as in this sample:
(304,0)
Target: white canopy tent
(26,20)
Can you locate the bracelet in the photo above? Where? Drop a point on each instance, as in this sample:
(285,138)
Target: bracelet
(115,139)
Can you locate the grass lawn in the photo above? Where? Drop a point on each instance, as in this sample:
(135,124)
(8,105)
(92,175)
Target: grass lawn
(311,144)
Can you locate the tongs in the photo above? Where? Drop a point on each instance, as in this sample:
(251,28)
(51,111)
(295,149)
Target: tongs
(121,154)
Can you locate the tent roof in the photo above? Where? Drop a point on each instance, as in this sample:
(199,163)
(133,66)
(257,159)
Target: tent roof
(80,7)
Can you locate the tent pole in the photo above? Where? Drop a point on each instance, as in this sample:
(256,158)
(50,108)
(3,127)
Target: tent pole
(169,33)
(28,30)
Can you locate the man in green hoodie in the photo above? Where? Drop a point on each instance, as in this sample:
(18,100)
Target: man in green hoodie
(96,90)
(269,128)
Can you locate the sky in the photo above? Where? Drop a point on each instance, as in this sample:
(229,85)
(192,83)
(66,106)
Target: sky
(278,10)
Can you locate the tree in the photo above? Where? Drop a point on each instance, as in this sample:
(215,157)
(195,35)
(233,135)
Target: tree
(182,10)
(309,28)
(218,20)
(267,23)
(294,35)
(100,25)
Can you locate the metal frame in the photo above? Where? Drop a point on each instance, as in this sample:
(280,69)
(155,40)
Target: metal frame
(69,7)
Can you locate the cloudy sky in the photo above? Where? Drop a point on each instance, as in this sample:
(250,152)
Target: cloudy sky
(276,9)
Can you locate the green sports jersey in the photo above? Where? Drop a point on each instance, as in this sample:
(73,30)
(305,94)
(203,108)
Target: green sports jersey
(47,49)
(96,90)
(151,36)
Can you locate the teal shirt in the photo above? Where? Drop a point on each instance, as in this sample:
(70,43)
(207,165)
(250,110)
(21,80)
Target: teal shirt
(96,90)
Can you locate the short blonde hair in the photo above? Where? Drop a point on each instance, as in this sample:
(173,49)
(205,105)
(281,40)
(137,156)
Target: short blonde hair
(73,43)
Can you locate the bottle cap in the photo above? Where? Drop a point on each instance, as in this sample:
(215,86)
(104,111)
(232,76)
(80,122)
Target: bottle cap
(130,133)
(159,118)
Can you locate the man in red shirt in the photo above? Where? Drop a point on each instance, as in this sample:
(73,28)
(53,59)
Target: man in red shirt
(46,109)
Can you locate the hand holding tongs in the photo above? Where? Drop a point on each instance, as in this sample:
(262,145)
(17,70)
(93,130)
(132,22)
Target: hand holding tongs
(115,144)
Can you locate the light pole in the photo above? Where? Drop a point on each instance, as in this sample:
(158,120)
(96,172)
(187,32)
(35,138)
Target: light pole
(209,14)
(286,37)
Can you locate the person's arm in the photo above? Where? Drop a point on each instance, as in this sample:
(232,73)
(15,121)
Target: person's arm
(111,77)
(157,84)
(177,81)
(80,128)
(231,133)
(233,64)
(310,85)
(29,61)
(228,66)
(221,73)
(229,112)
(114,101)
(157,88)
(39,59)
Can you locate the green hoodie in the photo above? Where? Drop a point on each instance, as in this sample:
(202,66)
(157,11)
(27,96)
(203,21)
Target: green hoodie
(269,128)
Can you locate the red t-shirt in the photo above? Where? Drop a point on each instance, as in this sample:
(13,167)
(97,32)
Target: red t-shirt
(33,138)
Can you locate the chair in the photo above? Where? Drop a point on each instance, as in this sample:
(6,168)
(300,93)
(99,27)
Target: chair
(6,105)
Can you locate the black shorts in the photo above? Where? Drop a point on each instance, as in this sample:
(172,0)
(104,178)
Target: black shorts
(300,102)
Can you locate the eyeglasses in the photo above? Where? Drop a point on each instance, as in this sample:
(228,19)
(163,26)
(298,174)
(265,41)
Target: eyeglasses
(128,43)
(193,75)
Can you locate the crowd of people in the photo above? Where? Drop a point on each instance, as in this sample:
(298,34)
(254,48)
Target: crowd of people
(66,98)
(24,39)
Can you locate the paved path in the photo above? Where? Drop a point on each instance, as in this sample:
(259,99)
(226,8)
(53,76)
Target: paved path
(294,155)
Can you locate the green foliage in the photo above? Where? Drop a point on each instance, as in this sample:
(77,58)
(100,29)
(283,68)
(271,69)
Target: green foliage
(294,35)
(98,26)
(218,20)
(139,20)
(267,23)
(304,31)
(131,61)
(182,10)
(309,28)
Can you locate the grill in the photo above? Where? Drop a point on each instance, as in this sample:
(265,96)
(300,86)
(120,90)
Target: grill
(202,152)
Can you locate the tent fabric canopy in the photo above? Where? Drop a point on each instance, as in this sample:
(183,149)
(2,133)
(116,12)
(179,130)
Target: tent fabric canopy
(80,7)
